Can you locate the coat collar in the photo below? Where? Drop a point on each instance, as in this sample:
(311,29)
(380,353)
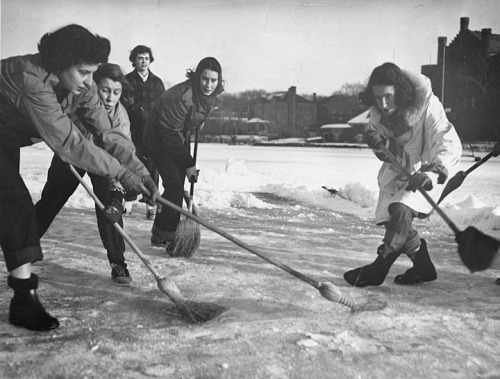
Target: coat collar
(415,107)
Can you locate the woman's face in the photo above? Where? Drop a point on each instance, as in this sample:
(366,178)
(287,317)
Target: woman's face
(208,81)
(109,92)
(385,98)
(77,78)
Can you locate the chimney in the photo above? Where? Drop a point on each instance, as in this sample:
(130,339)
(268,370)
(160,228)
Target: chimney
(441,63)
(292,110)
(464,24)
(314,97)
(485,40)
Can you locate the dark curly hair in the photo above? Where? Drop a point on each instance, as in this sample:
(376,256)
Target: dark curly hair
(140,49)
(208,63)
(72,45)
(388,74)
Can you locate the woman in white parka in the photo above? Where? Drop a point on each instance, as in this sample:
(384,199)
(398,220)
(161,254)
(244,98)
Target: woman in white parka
(410,121)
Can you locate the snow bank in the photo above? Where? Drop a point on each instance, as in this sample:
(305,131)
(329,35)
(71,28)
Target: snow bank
(231,185)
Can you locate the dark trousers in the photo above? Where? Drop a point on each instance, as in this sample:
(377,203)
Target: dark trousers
(19,236)
(150,165)
(399,232)
(61,184)
(172,176)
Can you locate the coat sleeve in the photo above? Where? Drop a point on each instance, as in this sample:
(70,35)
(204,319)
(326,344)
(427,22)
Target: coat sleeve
(172,116)
(39,105)
(441,138)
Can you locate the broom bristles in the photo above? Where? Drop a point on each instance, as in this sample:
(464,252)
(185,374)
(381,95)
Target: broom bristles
(191,311)
(187,236)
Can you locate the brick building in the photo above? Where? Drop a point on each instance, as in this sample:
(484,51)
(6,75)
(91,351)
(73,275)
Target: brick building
(290,115)
(467,80)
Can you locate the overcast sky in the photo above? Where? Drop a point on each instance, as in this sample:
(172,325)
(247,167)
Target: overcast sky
(314,45)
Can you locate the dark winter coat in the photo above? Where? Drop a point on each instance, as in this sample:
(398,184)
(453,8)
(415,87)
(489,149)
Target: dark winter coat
(30,111)
(173,116)
(426,139)
(144,95)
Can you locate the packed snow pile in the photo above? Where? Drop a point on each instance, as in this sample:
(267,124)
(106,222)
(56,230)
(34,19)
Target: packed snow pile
(229,184)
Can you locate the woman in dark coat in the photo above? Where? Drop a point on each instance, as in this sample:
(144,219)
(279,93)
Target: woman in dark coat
(179,111)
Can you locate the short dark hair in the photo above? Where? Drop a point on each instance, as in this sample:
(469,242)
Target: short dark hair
(113,72)
(388,74)
(208,63)
(140,49)
(72,45)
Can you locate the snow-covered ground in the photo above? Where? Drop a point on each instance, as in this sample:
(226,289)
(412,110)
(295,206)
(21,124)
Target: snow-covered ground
(275,326)
(231,175)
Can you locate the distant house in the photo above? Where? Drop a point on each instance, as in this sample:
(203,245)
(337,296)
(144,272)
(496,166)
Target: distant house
(467,80)
(337,133)
(289,114)
(352,131)
(339,109)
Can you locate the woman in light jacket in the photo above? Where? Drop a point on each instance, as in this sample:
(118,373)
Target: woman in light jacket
(410,121)
(179,111)
(61,183)
(40,97)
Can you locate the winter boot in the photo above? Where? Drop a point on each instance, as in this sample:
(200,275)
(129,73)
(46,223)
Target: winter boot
(156,240)
(422,271)
(25,307)
(373,274)
(120,274)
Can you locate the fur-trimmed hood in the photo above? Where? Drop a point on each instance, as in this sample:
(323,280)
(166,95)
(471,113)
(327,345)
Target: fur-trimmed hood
(412,111)
(422,89)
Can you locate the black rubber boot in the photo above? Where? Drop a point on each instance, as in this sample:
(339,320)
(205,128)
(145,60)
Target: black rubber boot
(422,271)
(25,307)
(373,274)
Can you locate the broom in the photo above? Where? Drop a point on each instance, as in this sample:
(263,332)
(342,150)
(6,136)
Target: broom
(187,235)
(326,289)
(476,249)
(191,311)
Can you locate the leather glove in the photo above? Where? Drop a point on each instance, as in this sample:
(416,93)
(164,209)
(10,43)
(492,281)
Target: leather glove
(150,191)
(496,149)
(373,139)
(131,181)
(419,180)
(192,174)
(114,210)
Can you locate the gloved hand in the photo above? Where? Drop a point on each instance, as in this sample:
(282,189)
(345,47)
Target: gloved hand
(192,174)
(373,139)
(150,191)
(133,182)
(130,180)
(114,210)
(419,180)
(496,149)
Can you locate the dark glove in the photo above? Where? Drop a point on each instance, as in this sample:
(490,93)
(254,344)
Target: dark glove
(438,169)
(150,191)
(496,149)
(374,140)
(131,181)
(419,180)
(114,210)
